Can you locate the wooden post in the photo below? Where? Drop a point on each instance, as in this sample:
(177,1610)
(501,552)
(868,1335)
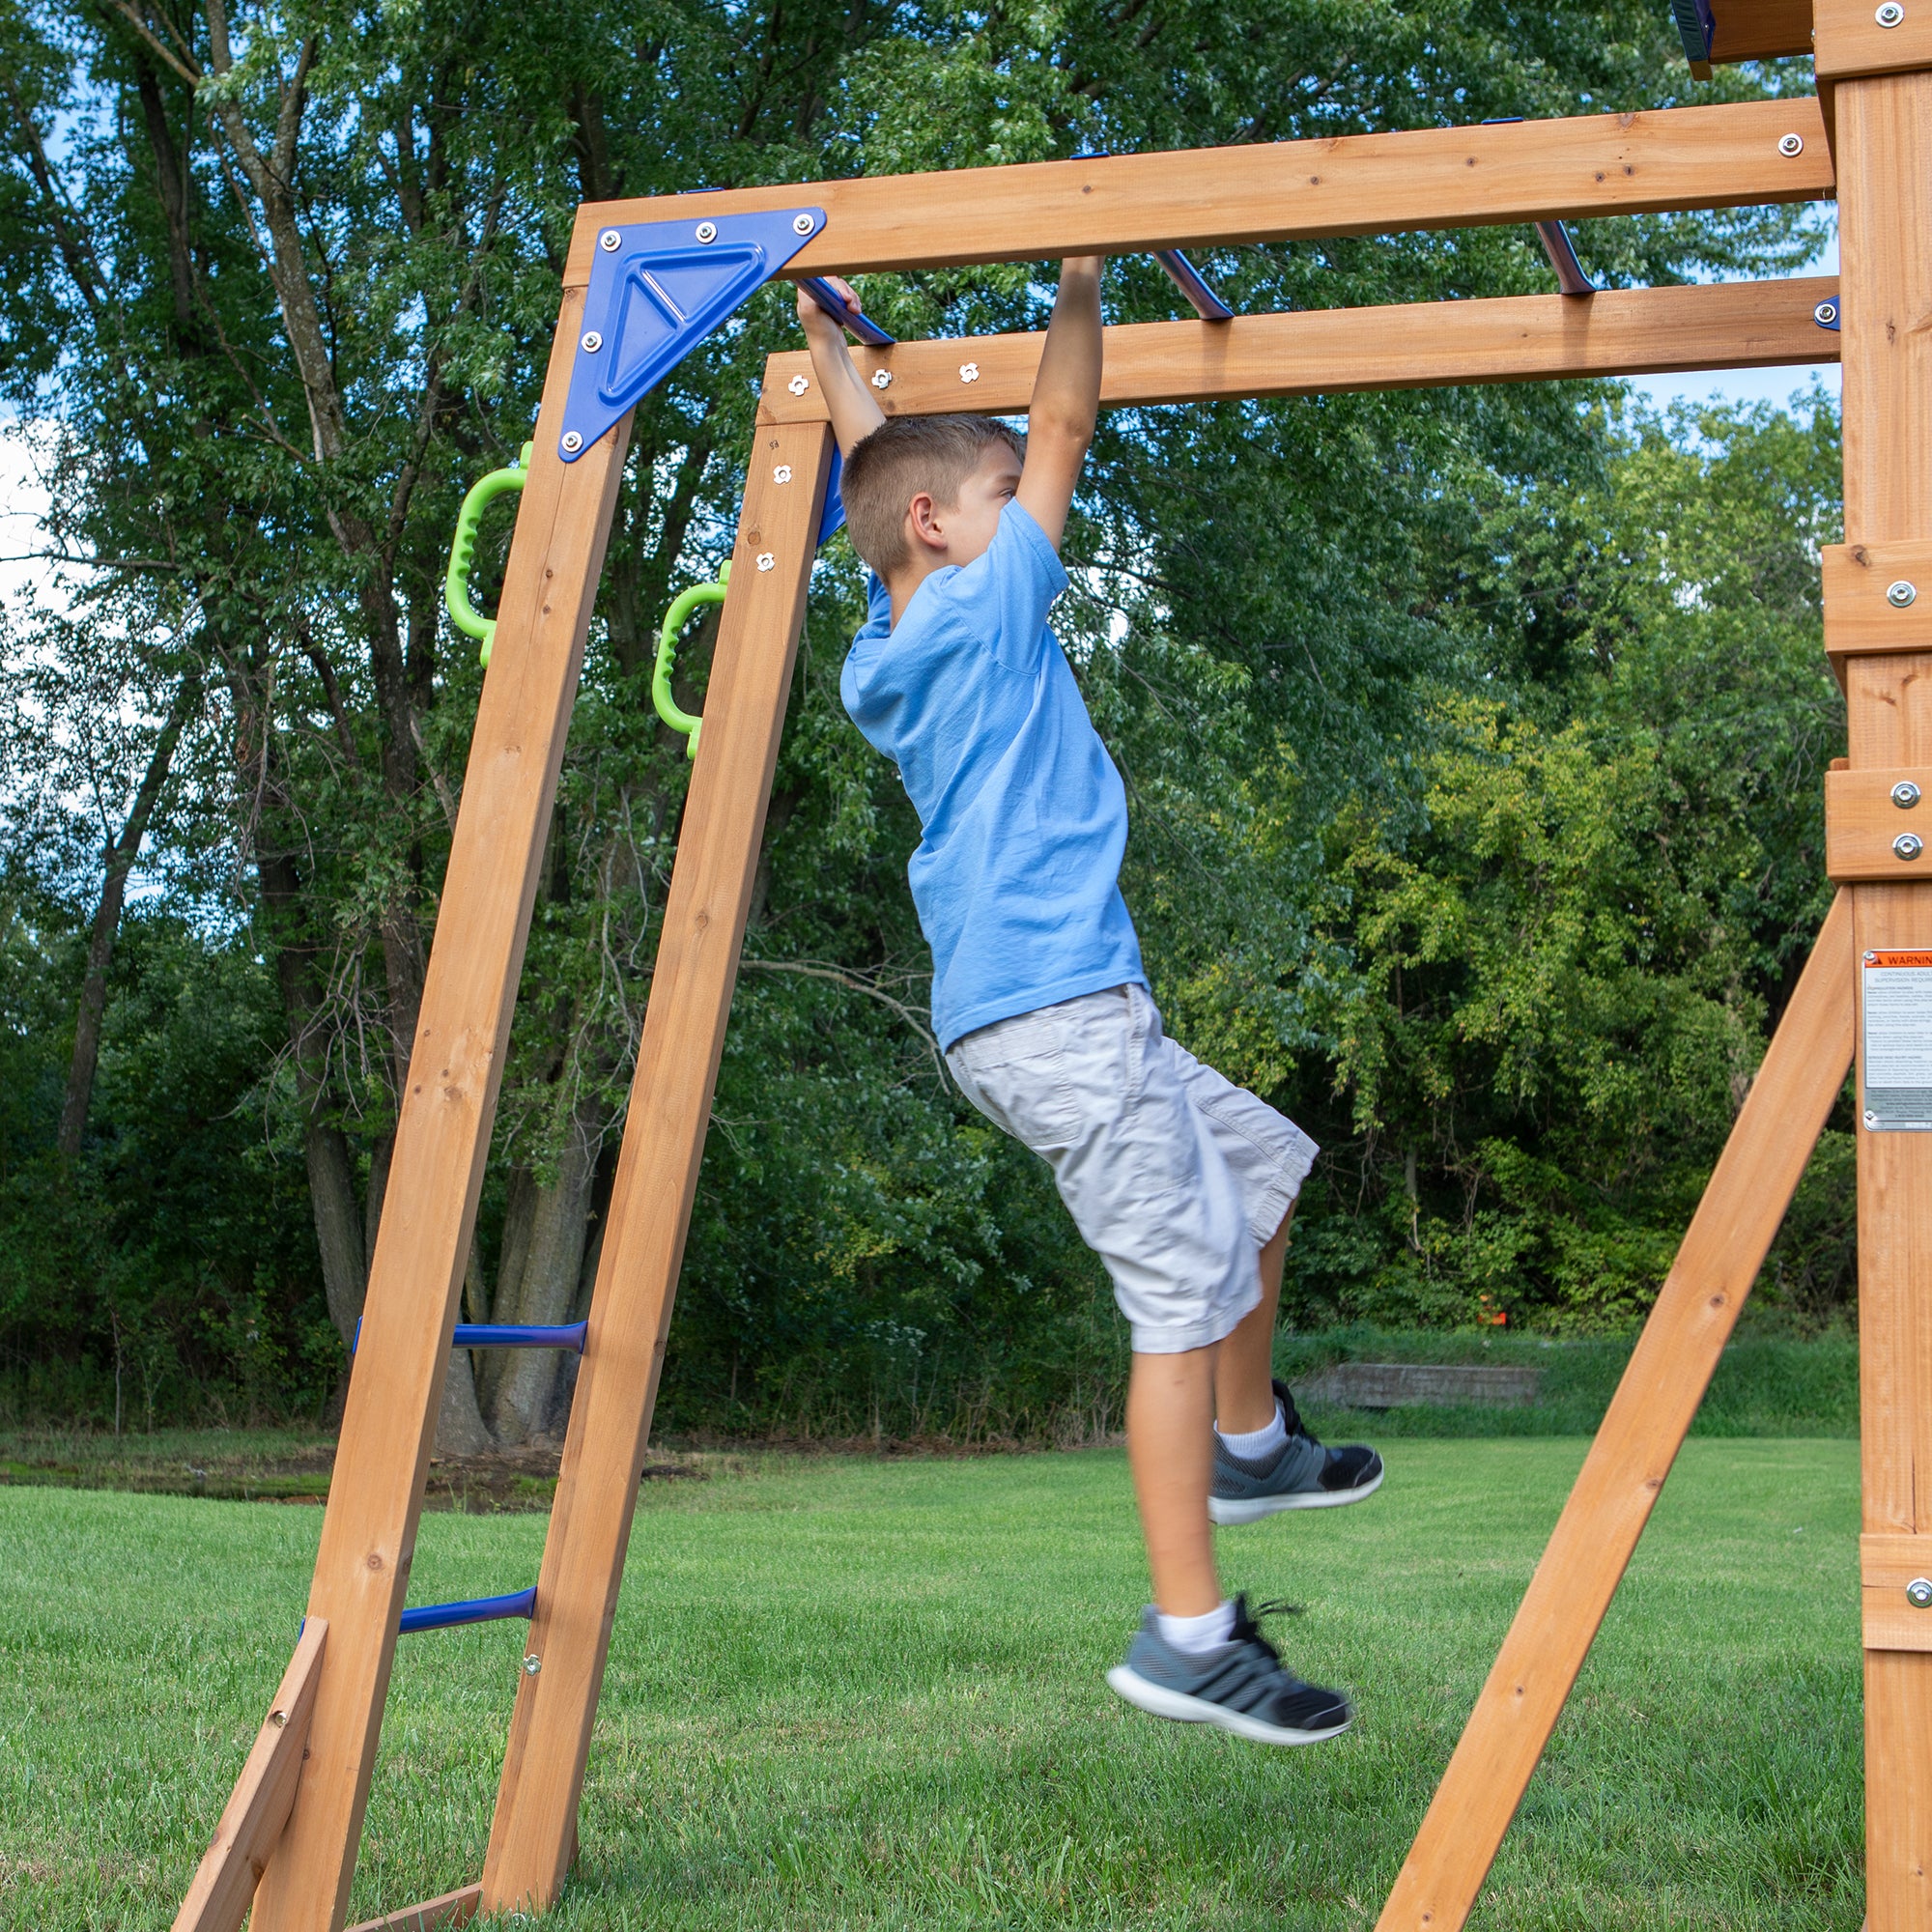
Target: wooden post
(443,1136)
(535,1825)
(1884,215)
(1723,1248)
(258,1808)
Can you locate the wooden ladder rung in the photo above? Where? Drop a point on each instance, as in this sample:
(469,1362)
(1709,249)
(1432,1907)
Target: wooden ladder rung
(453,1907)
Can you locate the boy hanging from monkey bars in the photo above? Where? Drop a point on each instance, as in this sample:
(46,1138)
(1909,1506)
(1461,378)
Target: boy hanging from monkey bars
(1182,1184)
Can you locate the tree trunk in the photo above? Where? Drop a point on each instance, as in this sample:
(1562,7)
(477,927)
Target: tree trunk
(546,1286)
(460,1429)
(120,862)
(338,1224)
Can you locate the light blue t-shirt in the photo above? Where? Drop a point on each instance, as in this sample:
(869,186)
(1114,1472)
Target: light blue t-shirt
(1017,877)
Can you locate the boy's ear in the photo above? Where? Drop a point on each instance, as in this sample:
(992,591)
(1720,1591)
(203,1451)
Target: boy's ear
(922,520)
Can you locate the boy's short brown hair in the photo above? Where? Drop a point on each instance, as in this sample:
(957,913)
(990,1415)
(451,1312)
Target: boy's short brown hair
(902,457)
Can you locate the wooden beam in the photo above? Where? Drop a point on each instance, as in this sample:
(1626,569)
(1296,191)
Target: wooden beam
(692,982)
(1803,1074)
(259,1806)
(1763,29)
(1677,157)
(1315,352)
(1865,814)
(443,1138)
(1861,615)
(1850,41)
(1885,147)
(433,1914)
(1897,1616)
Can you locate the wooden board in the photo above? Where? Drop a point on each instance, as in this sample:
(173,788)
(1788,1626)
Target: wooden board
(258,1808)
(1761,29)
(1316,351)
(443,1137)
(1803,1074)
(657,1169)
(1851,41)
(1884,148)
(1863,820)
(453,1907)
(1859,613)
(1678,158)
(1886,1564)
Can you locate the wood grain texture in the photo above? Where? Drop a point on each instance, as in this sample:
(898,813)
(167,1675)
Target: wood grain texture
(1885,148)
(1861,820)
(1803,1074)
(453,1907)
(443,1137)
(692,982)
(258,1808)
(1316,351)
(1858,615)
(1850,41)
(1886,1564)
(1761,29)
(1596,164)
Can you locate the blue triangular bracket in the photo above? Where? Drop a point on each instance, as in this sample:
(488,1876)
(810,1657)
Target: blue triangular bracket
(657,290)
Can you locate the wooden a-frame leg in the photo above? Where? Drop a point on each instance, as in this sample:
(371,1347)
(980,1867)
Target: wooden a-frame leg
(443,1137)
(696,967)
(1804,1072)
(1885,212)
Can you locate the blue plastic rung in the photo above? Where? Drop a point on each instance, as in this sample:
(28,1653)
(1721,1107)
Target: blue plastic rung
(508,1334)
(1191,283)
(863,327)
(521,1335)
(476,1611)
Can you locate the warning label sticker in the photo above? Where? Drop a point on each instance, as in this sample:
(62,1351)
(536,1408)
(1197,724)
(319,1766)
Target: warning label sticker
(1898,1042)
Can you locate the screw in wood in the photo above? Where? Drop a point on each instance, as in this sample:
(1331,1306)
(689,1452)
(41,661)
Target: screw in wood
(1907,845)
(1905,794)
(1918,1593)
(1890,15)
(1902,594)
(1791,146)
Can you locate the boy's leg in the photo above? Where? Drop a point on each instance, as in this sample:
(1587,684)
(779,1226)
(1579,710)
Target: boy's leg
(1244,1364)
(1170,1437)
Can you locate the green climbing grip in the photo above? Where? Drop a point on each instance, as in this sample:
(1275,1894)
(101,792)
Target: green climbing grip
(456,585)
(675,619)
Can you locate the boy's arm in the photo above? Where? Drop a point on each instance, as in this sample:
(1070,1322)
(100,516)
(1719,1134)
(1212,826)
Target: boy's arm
(855,415)
(1066,398)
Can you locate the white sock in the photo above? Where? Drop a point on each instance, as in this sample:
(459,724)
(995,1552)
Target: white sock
(1258,1444)
(1197,1636)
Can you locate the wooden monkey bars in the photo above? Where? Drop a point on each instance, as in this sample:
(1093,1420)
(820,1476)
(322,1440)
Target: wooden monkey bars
(1517,172)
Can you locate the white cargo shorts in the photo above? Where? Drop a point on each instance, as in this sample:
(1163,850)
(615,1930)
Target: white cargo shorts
(1174,1176)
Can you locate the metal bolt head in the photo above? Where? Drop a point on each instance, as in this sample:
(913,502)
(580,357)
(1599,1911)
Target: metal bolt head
(1918,1593)
(766,560)
(1890,15)
(609,240)
(803,224)
(882,379)
(531,1665)
(1791,146)
(1826,315)
(591,342)
(572,442)
(707,231)
(1905,794)
(1872,958)
(1902,594)
(1871,1121)
(1907,845)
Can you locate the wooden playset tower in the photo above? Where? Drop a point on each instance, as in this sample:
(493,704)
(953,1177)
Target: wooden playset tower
(645,280)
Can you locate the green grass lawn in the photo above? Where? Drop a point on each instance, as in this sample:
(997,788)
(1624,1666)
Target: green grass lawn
(851,1694)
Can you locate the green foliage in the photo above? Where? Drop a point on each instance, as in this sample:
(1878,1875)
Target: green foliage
(1472,737)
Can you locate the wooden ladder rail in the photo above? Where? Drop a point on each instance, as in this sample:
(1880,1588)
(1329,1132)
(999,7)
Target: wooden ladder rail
(533,1835)
(443,1138)
(1885,211)
(1803,1074)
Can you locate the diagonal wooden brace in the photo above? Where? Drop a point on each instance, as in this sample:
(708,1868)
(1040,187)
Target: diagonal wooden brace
(1803,1074)
(263,1795)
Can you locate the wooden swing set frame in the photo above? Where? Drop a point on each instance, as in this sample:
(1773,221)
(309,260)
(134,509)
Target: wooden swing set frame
(289,1838)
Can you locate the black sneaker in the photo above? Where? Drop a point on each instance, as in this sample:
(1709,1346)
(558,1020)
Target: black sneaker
(1243,1685)
(1302,1474)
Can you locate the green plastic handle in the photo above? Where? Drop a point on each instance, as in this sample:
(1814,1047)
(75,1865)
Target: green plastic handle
(675,619)
(456,585)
